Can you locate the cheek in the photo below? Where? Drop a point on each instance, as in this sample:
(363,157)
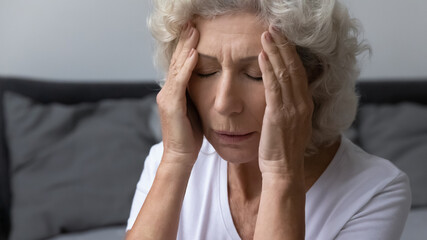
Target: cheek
(256,102)
(199,92)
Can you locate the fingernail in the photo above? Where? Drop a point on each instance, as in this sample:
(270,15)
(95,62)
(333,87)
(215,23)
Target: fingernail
(276,29)
(184,27)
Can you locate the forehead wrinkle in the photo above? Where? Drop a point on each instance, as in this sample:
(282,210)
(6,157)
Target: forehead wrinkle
(229,54)
(222,23)
(229,40)
(243,59)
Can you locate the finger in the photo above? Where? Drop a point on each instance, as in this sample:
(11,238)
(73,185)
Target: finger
(292,61)
(279,68)
(273,91)
(183,35)
(191,38)
(179,85)
(181,40)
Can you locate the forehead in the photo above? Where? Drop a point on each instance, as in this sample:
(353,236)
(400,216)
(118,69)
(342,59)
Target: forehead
(236,35)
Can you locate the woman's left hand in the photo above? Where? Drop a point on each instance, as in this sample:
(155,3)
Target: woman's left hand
(286,132)
(286,127)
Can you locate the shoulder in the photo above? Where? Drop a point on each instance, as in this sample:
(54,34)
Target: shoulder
(379,192)
(370,182)
(356,190)
(366,167)
(354,178)
(372,177)
(377,173)
(359,175)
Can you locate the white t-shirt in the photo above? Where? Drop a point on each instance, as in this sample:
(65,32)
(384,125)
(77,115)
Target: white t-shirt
(359,196)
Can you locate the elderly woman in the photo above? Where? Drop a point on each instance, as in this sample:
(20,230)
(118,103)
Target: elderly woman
(256,97)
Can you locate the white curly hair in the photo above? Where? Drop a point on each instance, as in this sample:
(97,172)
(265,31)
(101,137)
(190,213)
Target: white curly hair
(326,37)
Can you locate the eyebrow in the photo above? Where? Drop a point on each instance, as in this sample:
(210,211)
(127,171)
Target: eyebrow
(245,59)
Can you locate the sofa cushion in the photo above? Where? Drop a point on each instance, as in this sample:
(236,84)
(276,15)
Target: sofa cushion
(398,133)
(75,167)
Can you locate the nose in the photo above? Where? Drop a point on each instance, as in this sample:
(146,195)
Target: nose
(227,99)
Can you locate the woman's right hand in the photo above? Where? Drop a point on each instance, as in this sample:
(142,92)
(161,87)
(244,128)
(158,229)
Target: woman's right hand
(181,128)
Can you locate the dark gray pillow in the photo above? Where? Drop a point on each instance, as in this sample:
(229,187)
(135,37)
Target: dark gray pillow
(399,133)
(75,167)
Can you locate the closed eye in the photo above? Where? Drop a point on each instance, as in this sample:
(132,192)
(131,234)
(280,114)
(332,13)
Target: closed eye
(205,75)
(254,78)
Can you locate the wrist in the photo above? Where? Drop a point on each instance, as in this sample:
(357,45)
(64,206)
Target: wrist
(176,163)
(289,182)
(173,172)
(170,156)
(283,168)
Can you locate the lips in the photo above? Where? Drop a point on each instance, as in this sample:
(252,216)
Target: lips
(233,137)
(232,133)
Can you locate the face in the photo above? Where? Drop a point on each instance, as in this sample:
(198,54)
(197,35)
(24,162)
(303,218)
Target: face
(226,85)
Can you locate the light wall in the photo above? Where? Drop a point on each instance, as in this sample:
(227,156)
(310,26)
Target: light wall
(397,33)
(77,39)
(108,40)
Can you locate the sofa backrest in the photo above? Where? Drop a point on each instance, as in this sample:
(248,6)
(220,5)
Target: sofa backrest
(392,91)
(59,92)
(77,92)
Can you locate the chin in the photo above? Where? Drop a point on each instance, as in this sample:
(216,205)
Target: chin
(235,153)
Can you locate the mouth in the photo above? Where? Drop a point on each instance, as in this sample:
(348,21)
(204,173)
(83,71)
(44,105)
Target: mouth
(233,137)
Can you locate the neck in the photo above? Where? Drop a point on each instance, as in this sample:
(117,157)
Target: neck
(245,179)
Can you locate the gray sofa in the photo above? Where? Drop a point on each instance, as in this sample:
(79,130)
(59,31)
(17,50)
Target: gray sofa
(72,152)
(71,155)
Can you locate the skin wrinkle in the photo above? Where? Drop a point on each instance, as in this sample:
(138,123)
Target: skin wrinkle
(229,101)
(310,26)
(239,111)
(230,35)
